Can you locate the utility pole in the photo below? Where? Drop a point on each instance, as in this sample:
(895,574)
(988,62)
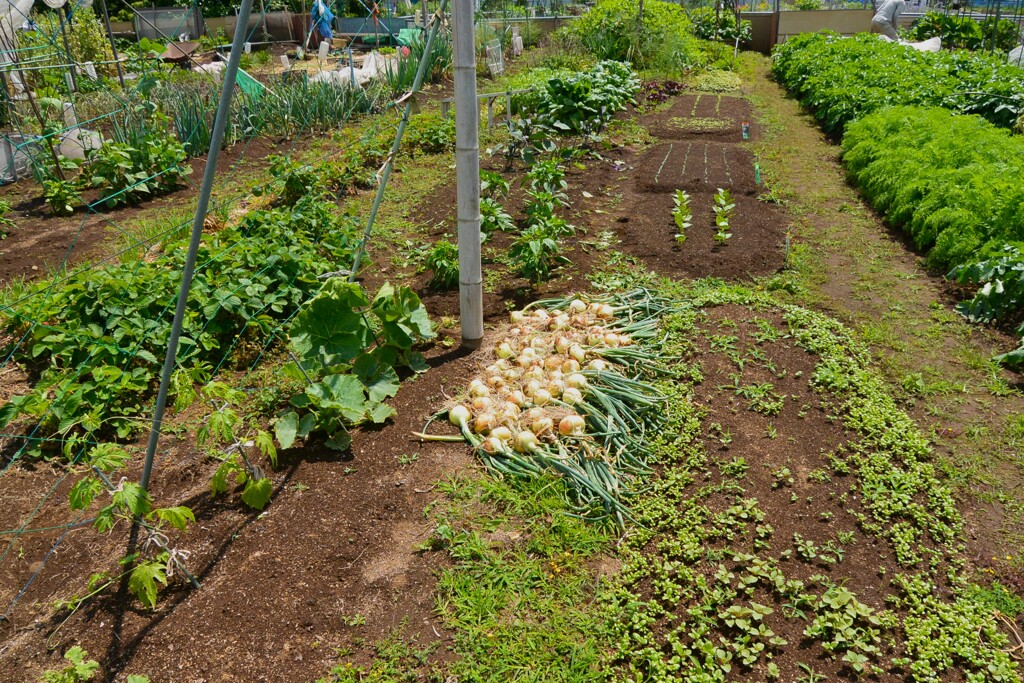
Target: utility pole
(467,174)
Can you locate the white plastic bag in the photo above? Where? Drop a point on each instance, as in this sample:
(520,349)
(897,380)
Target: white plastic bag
(1016,56)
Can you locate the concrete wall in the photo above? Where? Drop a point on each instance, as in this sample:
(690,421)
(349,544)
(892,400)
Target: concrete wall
(762,28)
(844,21)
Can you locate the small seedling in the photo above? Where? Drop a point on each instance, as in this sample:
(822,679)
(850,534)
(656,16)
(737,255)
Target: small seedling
(723,208)
(682,214)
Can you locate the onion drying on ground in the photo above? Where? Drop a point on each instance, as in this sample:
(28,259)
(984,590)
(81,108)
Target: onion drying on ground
(567,392)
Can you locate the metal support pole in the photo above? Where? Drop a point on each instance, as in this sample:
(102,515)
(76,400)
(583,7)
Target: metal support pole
(409,97)
(67,48)
(113,45)
(219,123)
(467,174)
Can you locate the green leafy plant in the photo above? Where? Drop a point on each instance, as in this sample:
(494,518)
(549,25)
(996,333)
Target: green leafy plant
(536,252)
(293,180)
(132,504)
(723,209)
(61,197)
(493,185)
(443,260)
(682,214)
(125,174)
(96,358)
(430,133)
(493,218)
(353,346)
(720,24)
(78,669)
(841,80)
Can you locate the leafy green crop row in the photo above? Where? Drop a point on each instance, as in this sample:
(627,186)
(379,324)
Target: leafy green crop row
(955,183)
(580,103)
(841,79)
(93,342)
(965,32)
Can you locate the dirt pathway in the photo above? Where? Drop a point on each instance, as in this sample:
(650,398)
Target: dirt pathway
(853,266)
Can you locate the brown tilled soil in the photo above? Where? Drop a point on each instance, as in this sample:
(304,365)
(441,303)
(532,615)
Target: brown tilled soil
(281,589)
(39,242)
(284,588)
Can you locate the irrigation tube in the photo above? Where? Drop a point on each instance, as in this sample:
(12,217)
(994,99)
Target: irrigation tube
(223,112)
(385,173)
(467,174)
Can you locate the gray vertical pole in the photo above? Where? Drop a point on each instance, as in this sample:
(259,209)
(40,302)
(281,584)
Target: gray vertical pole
(467,174)
(67,48)
(113,45)
(417,83)
(219,123)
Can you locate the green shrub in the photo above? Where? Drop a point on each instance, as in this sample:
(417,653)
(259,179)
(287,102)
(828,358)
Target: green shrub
(711,25)
(612,30)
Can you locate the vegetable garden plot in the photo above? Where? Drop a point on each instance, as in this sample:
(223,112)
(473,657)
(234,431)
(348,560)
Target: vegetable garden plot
(696,166)
(703,116)
(757,246)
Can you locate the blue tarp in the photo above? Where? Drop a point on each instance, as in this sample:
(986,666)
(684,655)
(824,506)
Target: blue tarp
(322,17)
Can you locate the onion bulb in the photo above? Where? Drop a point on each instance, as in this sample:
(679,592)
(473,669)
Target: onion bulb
(492,445)
(542,426)
(605,311)
(576,381)
(541,314)
(572,396)
(525,441)
(484,423)
(553,362)
(578,353)
(501,433)
(597,364)
(541,397)
(536,372)
(517,317)
(479,390)
(516,398)
(577,306)
(611,339)
(531,389)
(510,412)
(559,322)
(571,365)
(504,350)
(562,344)
(458,415)
(533,414)
(512,374)
(555,387)
(482,404)
(571,425)
(495,382)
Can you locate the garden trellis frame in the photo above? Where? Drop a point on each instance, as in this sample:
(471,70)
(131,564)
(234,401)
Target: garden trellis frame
(151,245)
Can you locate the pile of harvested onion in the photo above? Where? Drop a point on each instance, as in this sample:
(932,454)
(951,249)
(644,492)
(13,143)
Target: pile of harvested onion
(556,398)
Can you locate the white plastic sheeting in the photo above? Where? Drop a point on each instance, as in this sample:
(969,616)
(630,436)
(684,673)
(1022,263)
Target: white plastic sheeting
(374,65)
